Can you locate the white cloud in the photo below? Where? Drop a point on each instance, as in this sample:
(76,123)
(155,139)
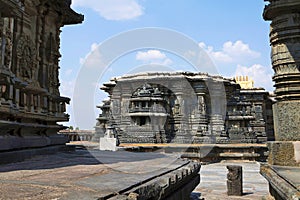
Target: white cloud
(94,58)
(231,52)
(167,61)
(150,55)
(66,88)
(261,75)
(238,59)
(68,72)
(153,57)
(113,9)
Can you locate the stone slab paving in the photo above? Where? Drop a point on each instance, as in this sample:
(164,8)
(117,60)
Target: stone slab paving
(213,182)
(82,174)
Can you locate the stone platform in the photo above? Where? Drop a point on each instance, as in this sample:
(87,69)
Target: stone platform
(214,177)
(94,174)
(206,153)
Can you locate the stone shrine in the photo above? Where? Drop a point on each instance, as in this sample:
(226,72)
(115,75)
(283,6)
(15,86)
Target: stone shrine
(184,107)
(30,102)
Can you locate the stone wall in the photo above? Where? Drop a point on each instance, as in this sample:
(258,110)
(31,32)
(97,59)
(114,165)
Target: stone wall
(30,102)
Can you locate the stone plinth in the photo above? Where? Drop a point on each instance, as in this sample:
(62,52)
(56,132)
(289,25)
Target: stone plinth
(284,153)
(286,120)
(108,144)
(234,180)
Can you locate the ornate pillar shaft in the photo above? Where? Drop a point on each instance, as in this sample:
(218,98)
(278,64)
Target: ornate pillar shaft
(285,44)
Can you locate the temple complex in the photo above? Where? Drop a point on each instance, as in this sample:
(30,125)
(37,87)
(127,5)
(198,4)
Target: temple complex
(283,167)
(30,102)
(184,107)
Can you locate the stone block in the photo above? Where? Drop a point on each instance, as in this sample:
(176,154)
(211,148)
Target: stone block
(234,180)
(284,153)
(287,120)
(108,144)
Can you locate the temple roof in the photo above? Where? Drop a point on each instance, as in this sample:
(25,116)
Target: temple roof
(63,8)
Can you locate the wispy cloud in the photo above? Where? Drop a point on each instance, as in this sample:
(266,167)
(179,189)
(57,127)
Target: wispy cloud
(231,52)
(238,59)
(261,75)
(153,57)
(113,9)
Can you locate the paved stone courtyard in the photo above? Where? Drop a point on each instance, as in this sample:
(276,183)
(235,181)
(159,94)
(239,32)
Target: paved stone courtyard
(213,182)
(82,174)
(92,174)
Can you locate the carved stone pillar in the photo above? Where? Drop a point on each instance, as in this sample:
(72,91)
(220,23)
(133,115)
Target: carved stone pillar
(285,43)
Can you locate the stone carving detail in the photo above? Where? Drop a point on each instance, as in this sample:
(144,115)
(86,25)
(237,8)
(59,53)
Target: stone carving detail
(26,54)
(50,48)
(234,180)
(8,48)
(286,69)
(29,107)
(6,41)
(202,105)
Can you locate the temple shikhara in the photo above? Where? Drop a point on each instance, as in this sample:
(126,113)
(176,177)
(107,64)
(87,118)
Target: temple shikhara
(30,102)
(183,107)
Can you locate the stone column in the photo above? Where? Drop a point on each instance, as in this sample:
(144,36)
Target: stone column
(285,44)
(217,115)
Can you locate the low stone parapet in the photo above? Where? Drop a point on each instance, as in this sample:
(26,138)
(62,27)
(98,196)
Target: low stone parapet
(177,184)
(284,181)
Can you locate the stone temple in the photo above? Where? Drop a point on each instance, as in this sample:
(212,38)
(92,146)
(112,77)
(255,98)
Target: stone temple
(184,107)
(30,102)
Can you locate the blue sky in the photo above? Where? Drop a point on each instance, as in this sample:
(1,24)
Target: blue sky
(232,33)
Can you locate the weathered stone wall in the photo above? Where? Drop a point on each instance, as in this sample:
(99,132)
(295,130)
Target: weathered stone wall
(30,102)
